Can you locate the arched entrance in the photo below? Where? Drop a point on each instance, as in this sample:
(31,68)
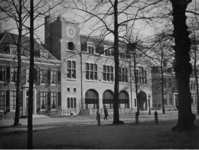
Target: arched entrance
(142,100)
(92,99)
(108,98)
(123,99)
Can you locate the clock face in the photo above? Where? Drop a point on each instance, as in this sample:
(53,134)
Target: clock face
(70,31)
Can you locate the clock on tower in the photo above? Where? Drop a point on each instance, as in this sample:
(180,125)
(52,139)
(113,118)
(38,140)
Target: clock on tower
(70,31)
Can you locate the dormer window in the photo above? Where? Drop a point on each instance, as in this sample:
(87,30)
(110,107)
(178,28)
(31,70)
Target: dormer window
(71,46)
(90,49)
(43,54)
(108,52)
(13,49)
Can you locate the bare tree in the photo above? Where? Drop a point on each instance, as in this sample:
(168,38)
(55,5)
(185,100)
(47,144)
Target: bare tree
(111,19)
(194,27)
(182,67)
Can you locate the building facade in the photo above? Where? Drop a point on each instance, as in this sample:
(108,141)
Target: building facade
(46,98)
(169,89)
(87,71)
(74,74)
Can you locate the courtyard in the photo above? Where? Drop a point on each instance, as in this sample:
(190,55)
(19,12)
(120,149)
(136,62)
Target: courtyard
(83,132)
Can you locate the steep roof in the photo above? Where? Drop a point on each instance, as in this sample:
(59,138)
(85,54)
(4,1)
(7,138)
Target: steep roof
(8,39)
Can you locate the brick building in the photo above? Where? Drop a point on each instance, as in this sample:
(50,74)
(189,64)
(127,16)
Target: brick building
(87,71)
(47,82)
(74,74)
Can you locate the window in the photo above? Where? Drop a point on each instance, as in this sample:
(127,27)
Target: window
(68,89)
(54,100)
(91,50)
(74,90)
(141,75)
(53,77)
(123,74)
(43,76)
(13,50)
(12,100)
(2,100)
(43,100)
(108,52)
(13,74)
(71,69)
(122,56)
(107,73)
(2,73)
(27,75)
(71,102)
(192,85)
(71,46)
(91,71)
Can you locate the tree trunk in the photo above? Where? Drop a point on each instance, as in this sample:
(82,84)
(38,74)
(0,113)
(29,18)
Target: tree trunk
(17,111)
(182,66)
(162,83)
(136,79)
(31,77)
(116,85)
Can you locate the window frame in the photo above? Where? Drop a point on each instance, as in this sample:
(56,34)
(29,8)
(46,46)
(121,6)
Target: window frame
(13,74)
(91,71)
(71,69)
(53,77)
(2,74)
(43,98)
(108,73)
(2,100)
(13,100)
(54,98)
(43,76)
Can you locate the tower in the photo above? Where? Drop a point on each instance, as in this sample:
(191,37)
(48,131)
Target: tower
(61,35)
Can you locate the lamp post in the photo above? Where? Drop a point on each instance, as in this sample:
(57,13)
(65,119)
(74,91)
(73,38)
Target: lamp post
(149,96)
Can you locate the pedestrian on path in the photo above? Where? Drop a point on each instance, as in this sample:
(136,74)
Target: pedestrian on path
(105,113)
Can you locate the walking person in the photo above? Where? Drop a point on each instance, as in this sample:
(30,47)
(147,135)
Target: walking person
(105,113)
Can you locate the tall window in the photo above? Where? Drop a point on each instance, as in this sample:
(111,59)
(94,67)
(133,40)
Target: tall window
(107,73)
(141,75)
(43,76)
(71,102)
(13,74)
(123,74)
(12,100)
(53,77)
(2,73)
(2,100)
(27,75)
(71,69)
(91,71)
(54,100)
(43,100)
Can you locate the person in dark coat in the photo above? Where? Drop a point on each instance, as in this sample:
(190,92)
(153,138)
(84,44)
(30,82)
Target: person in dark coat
(105,113)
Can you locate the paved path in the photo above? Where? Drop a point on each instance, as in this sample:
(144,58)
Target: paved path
(42,122)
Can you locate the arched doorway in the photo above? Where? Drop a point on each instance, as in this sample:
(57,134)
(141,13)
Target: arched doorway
(92,99)
(108,98)
(123,99)
(142,100)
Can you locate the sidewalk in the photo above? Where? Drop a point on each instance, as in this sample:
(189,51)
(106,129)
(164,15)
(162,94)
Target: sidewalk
(42,122)
(82,132)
